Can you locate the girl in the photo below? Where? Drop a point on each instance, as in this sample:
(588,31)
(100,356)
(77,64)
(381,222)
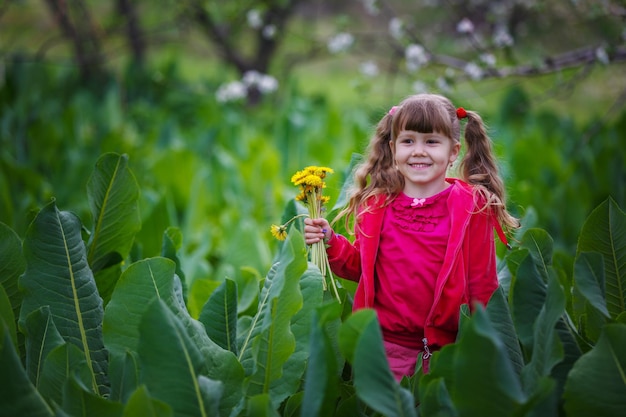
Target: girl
(423,243)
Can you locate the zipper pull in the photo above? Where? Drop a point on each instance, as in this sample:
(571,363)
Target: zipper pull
(427,353)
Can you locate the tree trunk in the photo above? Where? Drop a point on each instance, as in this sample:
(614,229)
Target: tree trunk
(82,34)
(136,40)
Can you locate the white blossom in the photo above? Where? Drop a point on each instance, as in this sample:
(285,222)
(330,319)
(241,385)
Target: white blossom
(419,87)
(416,57)
(269,31)
(232,91)
(340,42)
(251,77)
(442,84)
(502,37)
(396,28)
(263,82)
(254,18)
(474,71)
(267,84)
(602,56)
(369,69)
(465,26)
(371,7)
(488,59)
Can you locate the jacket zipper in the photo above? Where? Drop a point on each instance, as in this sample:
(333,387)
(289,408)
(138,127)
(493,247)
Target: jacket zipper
(427,353)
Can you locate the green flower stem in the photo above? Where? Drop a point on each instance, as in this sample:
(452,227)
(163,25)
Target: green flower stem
(293,218)
(318,250)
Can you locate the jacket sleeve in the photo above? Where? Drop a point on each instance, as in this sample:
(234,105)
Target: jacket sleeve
(482,276)
(344,257)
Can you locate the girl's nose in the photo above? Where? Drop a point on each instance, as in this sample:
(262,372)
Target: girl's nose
(418,149)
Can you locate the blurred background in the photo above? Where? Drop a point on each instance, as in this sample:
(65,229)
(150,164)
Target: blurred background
(218,103)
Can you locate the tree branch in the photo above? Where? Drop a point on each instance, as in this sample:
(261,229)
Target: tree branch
(217,36)
(551,64)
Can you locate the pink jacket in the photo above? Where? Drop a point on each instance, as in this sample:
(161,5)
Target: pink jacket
(468,273)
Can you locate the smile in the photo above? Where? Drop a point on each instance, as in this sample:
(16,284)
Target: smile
(419,165)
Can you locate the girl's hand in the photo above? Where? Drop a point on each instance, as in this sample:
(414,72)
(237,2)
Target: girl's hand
(316,230)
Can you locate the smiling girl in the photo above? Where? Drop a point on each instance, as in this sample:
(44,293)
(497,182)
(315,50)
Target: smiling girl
(424,243)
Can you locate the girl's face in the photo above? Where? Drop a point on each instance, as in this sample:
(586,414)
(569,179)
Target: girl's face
(423,159)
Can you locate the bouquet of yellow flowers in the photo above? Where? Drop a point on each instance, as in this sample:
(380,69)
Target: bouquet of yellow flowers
(311,183)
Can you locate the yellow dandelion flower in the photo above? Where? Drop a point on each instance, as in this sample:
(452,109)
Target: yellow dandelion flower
(322,171)
(313,181)
(298,177)
(279,232)
(324,199)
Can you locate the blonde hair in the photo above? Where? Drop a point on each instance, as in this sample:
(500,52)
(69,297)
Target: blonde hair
(427,113)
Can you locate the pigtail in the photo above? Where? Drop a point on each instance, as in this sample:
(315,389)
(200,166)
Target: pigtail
(479,167)
(376,175)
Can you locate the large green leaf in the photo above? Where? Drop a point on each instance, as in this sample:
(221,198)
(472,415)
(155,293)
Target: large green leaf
(12,265)
(500,317)
(219,316)
(63,363)
(528,293)
(248,249)
(270,341)
(481,356)
(374,382)
(261,405)
(138,286)
(140,404)
(540,245)
(172,366)
(172,243)
(113,196)
(547,347)
(42,337)
(435,400)
(221,364)
(320,385)
(442,367)
(18,396)
(351,330)
(589,280)
(124,375)
(78,401)
(604,232)
(596,385)
(252,327)
(57,275)
(8,317)
(588,296)
(311,287)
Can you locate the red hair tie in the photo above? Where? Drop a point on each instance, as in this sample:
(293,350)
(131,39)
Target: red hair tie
(392,110)
(461,113)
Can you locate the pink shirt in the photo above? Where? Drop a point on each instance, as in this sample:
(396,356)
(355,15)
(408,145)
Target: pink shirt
(412,247)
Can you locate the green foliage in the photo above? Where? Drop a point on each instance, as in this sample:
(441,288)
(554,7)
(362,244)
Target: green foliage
(148,296)
(143,352)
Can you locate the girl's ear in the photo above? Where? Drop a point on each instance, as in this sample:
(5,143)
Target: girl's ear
(392,146)
(454,152)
